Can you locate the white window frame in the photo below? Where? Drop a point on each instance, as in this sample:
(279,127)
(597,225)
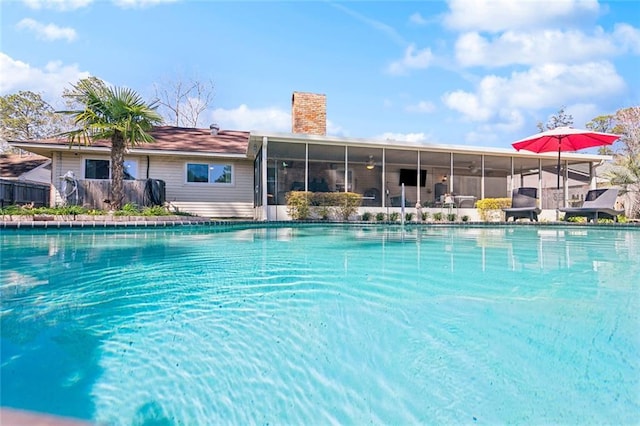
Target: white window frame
(210,166)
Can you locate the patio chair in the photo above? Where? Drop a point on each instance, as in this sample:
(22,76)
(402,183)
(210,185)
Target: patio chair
(597,203)
(524,205)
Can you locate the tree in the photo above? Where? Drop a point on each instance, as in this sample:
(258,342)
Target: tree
(560,119)
(74,96)
(26,116)
(626,170)
(183,101)
(117,114)
(604,124)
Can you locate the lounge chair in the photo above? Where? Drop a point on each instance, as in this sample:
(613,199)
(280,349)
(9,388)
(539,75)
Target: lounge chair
(597,203)
(524,205)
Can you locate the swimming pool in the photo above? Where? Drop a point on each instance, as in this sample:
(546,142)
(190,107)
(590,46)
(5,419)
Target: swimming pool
(323,324)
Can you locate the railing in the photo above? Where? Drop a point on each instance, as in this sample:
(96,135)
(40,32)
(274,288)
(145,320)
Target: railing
(19,192)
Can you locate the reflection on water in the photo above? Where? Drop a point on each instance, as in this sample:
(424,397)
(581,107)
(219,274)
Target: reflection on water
(299,325)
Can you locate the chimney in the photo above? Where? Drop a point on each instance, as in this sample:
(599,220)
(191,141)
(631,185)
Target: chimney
(214,129)
(309,113)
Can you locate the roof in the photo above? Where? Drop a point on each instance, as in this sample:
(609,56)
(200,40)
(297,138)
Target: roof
(167,139)
(170,140)
(12,166)
(257,137)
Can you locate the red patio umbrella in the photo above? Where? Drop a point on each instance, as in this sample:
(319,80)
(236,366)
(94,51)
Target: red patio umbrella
(564,139)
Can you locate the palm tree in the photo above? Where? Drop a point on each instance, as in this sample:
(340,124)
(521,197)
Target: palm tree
(116,114)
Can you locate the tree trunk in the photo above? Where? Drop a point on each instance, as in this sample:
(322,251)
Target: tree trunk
(117,170)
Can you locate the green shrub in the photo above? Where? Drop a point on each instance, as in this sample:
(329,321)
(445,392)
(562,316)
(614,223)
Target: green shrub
(605,220)
(451,217)
(380,216)
(576,219)
(408,217)
(437,216)
(425,216)
(301,204)
(128,209)
(366,216)
(324,212)
(348,203)
(487,207)
(154,211)
(298,204)
(394,216)
(465,218)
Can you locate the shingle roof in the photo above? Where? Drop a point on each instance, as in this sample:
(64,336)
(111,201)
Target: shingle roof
(12,166)
(170,138)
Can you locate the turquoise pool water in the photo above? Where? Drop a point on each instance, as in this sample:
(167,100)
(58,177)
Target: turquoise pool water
(323,325)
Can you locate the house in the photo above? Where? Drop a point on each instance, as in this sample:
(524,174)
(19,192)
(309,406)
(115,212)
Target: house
(25,167)
(24,179)
(224,174)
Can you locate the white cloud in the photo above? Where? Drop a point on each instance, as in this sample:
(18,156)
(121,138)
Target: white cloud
(421,107)
(244,118)
(379,26)
(417,19)
(542,46)
(549,85)
(139,4)
(49,32)
(582,113)
(500,15)
(57,4)
(469,104)
(49,82)
(403,137)
(628,37)
(413,59)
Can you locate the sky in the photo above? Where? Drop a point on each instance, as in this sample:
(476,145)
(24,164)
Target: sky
(463,72)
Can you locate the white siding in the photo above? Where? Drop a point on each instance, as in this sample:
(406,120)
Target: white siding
(219,201)
(235,200)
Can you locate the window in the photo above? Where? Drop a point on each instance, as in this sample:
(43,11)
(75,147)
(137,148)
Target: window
(101,169)
(96,169)
(210,173)
(130,169)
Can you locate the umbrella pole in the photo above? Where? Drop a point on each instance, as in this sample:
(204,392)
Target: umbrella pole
(558,169)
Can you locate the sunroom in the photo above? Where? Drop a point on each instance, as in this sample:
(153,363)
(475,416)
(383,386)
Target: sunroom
(396,175)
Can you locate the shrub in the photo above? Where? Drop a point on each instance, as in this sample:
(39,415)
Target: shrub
(128,209)
(394,216)
(380,216)
(488,207)
(408,217)
(576,219)
(323,204)
(298,204)
(154,211)
(605,220)
(425,216)
(465,218)
(348,203)
(451,217)
(437,216)
(366,216)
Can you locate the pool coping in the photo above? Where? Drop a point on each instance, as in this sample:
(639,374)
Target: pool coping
(165,222)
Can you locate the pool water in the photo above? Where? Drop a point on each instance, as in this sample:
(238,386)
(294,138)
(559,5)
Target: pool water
(323,325)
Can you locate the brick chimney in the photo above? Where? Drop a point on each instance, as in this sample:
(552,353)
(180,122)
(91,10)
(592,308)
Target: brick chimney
(309,113)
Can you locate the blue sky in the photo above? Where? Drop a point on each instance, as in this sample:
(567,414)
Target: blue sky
(463,72)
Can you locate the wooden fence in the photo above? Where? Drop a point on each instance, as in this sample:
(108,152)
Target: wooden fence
(96,194)
(19,192)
